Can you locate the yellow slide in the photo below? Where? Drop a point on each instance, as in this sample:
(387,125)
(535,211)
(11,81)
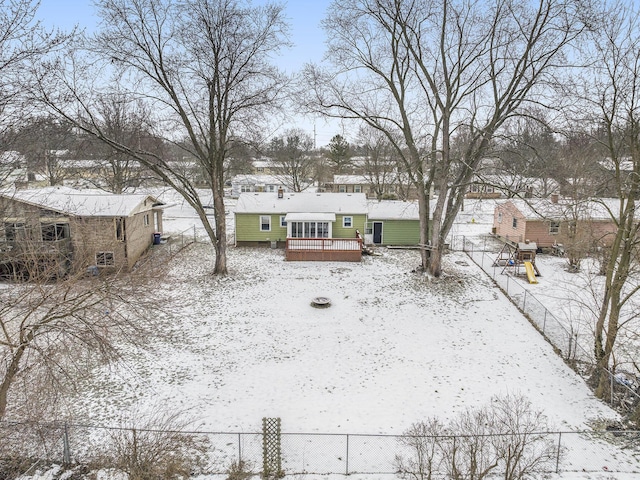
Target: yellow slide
(531,274)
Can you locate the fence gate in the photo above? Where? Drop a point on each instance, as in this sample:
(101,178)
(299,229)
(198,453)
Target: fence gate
(271,449)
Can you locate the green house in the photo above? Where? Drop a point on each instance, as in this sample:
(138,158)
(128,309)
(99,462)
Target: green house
(272,218)
(323,226)
(391,222)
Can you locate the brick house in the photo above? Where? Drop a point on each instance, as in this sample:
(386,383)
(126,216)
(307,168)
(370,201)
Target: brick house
(548,222)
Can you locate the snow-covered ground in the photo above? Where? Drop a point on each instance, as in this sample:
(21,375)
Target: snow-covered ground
(393,348)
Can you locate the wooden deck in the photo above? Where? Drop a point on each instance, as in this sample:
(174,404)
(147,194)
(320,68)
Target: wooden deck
(324,249)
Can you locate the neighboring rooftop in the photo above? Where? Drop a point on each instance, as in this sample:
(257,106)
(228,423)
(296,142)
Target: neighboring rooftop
(82,203)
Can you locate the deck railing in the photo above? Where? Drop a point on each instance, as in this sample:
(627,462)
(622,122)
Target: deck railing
(325,244)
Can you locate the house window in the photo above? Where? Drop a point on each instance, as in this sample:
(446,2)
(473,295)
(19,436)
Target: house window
(342,188)
(309,229)
(120,229)
(554,228)
(52,232)
(146,219)
(499,217)
(357,189)
(245,188)
(105,259)
(347,222)
(14,231)
(265,223)
(514,222)
(283,223)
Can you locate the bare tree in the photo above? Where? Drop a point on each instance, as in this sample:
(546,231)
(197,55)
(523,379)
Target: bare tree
(157,445)
(43,140)
(127,122)
(291,155)
(52,333)
(419,70)
(611,96)
(502,439)
(22,40)
(380,160)
(202,67)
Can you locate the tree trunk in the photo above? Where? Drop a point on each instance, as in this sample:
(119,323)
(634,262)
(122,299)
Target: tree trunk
(435,260)
(612,333)
(423,208)
(220,243)
(10,375)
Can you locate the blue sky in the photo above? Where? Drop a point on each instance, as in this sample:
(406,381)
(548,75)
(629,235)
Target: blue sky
(306,34)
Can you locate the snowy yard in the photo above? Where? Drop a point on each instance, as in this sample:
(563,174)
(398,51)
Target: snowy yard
(394,348)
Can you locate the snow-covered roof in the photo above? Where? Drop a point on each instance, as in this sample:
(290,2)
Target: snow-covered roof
(537,209)
(601,209)
(83,203)
(247,179)
(350,180)
(351,203)
(393,210)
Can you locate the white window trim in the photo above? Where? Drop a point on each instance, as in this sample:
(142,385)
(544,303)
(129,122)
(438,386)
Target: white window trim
(260,223)
(330,228)
(283,223)
(344,221)
(554,228)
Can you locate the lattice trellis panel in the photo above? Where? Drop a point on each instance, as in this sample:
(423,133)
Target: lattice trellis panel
(271,448)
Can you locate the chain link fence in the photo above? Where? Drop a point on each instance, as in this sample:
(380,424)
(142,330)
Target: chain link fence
(572,345)
(38,445)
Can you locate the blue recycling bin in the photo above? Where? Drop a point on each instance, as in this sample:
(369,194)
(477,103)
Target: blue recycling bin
(156,238)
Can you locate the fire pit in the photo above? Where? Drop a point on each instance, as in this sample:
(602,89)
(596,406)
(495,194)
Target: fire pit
(321,302)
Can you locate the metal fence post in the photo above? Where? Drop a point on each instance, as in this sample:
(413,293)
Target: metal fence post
(544,322)
(558,453)
(524,302)
(347,457)
(239,449)
(507,284)
(194,234)
(66,449)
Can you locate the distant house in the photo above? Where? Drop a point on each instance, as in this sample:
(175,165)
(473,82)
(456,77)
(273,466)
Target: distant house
(65,230)
(548,222)
(12,168)
(508,186)
(392,222)
(391,186)
(255,183)
(264,166)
